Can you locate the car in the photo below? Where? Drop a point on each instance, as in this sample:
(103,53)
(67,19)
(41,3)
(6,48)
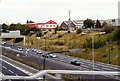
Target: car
(45,55)
(75,62)
(53,55)
(39,52)
(20,49)
(17,55)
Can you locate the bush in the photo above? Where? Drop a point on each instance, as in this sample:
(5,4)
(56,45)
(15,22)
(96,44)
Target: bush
(115,36)
(78,31)
(59,36)
(108,29)
(59,43)
(97,44)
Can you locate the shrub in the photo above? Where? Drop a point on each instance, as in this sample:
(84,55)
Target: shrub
(116,35)
(108,29)
(78,31)
(97,44)
(59,36)
(59,43)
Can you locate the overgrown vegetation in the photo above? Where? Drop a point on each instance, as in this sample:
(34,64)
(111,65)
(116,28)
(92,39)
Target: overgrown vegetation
(78,31)
(97,43)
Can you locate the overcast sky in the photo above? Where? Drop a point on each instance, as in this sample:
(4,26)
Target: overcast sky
(13,11)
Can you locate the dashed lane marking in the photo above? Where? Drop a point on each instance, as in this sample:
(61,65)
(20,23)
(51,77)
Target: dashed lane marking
(10,71)
(4,67)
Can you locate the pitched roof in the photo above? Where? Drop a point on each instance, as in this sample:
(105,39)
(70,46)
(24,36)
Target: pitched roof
(78,21)
(51,22)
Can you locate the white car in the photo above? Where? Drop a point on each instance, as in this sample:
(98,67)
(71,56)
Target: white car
(53,55)
(17,55)
(20,49)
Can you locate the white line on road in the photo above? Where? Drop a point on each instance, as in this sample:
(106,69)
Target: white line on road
(4,67)
(10,71)
(17,67)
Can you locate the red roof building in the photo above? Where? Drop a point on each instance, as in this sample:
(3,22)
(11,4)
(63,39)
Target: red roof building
(51,22)
(32,25)
(49,25)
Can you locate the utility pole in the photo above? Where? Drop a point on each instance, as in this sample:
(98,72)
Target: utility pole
(69,22)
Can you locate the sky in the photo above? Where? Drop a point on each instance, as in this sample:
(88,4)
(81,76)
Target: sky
(19,11)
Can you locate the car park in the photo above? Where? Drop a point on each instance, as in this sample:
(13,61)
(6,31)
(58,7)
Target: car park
(75,62)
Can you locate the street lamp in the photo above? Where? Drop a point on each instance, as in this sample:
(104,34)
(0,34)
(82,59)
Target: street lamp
(109,58)
(93,51)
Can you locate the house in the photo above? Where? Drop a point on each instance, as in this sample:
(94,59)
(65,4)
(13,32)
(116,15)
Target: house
(115,22)
(49,25)
(74,25)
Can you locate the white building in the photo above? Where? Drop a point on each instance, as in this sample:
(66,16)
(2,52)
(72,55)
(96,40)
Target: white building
(50,25)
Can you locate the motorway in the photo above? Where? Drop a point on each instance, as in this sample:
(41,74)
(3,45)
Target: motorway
(8,68)
(61,62)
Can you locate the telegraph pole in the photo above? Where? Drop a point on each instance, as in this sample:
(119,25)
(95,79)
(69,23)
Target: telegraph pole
(69,22)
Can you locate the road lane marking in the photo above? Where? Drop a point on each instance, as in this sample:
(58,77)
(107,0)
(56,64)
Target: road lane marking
(17,68)
(10,71)
(4,67)
(16,75)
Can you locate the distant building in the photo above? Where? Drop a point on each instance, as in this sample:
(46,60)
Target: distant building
(49,25)
(115,22)
(32,25)
(74,25)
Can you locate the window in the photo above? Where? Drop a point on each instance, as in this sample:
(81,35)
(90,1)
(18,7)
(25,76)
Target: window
(47,25)
(54,25)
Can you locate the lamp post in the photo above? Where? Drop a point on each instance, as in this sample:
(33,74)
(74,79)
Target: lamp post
(93,53)
(44,65)
(109,56)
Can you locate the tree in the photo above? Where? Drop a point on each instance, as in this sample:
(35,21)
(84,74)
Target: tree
(115,36)
(12,26)
(4,27)
(29,21)
(98,24)
(88,23)
(104,24)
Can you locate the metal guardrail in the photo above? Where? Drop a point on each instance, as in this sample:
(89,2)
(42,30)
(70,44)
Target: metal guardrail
(59,72)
